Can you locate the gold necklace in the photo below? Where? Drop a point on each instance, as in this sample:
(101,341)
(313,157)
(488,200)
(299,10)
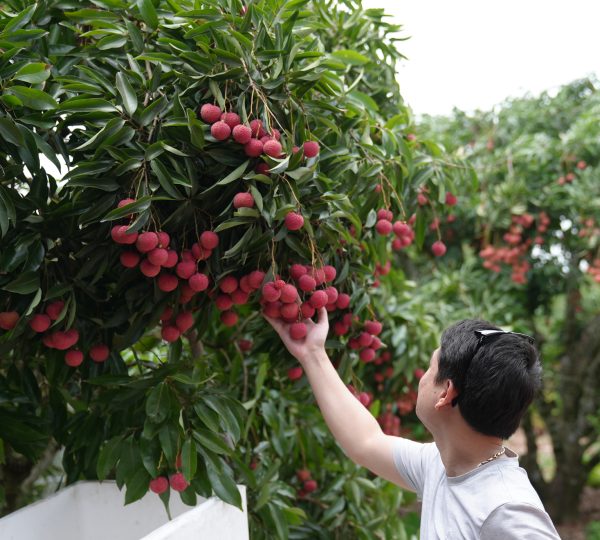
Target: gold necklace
(496,455)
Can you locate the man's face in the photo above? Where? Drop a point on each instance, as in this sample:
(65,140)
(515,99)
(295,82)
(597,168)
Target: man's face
(429,392)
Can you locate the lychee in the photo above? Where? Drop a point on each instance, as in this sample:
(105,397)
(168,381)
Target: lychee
(241,134)
(158,256)
(297,270)
(318,299)
(384,227)
(451,199)
(149,269)
(262,168)
(243,200)
(307,310)
(73,358)
(129,259)
(184,321)
(159,485)
(170,333)
(198,282)
(210,113)
(120,235)
(239,297)
(185,269)
(367,355)
(224,302)
(178,482)
(295,373)
(373,327)
(39,322)
(220,130)
(307,283)
(257,128)
(311,149)
(146,241)
(255,278)
(163,239)
(294,221)
(438,248)
(343,301)
(99,352)
(330,273)
(172,259)
(383,213)
(54,309)
(272,148)
(270,293)
(253,148)
(228,284)
(229,318)
(209,240)
(310,486)
(167,282)
(8,319)
(231,119)
(289,311)
(289,293)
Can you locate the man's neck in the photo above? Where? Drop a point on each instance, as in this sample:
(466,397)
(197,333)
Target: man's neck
(462,449)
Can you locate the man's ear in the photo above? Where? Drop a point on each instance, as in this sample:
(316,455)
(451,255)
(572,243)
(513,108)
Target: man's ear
(448,395)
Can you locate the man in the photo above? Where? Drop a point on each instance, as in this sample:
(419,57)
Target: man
(479,383)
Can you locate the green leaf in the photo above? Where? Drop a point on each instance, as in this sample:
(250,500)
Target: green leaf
(222,484)
(136,207)
(137,486)
(234,175)
(108,456)
(33,98)
(127,93)
(189,459)
(33,73)
(148,13)
(212,441)
(160,402)
(78,104)
(164,179)
(350,57)
(111,42)
(10,132)
(26,283)
(169,436)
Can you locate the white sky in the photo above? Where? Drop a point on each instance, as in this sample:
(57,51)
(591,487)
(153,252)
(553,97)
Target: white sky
(475,53)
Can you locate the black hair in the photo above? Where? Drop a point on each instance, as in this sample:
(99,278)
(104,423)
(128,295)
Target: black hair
(496,378)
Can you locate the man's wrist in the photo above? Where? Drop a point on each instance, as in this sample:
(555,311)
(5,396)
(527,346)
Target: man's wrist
(314,356)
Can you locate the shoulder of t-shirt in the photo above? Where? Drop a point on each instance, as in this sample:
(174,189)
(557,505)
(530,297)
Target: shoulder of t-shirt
(518,521)
(414,460)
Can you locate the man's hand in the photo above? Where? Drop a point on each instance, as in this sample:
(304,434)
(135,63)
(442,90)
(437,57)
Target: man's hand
(305,348)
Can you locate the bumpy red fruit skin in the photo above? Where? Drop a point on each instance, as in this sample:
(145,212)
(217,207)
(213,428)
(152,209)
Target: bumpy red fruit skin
(198,282)
(231,119)
(438,248)
(373,327)
(289,293)
(271,309)
(384,227)
(129,259)
(184,321)
(73,358)
(289,311)
(241,134)
(253,148)
(210,113)
(209,240)
(318,299)
(228,284)
(367,355)
(330,273)
(170,333)
(178,482)
(220,131)
(163,239)
(149,269)
(159,485)
(54,309)
(39,322)
(167,313)
(99,353)
(8,320)
(239,297)
(270,293)
(229,318)
(332,295)
(303,475)
(146,241)
(224,302)
(245,344)
(257,128)
(167,282)
(295,373)
(272,148)
(365,339)
(307,310)
(262,168)
(311,149)
(243,200)
(451,199)
(158,256)
(307,283)
(255,278)
(343,301)
(172,259)
(401,229)
(185,269)
(383,213)
(297,270)
(294,221)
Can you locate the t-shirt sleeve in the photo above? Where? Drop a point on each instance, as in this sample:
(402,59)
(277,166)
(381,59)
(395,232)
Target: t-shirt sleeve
(518,521)
(410,458)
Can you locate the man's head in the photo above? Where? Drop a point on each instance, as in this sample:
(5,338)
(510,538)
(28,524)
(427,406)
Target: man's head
(491,378)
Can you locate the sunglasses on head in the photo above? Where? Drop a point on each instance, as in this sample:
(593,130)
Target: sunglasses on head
(488,334)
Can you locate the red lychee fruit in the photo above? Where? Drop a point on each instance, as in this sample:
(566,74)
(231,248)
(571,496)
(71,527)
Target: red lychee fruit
(245,345)
(270,293)
(289,311)
(129,259)
(228,284)
(365,339)
(438,248)
(241,134)
(172,259)
(231,119)
(99,352)
(229,318)
(253,148)
(343,301)
(170,333)
(367,355)
(158,256)
(307,310)
(73,358)
(422,200)
(159,485)
(257,128)
(149,269)
(243,200)
(340,329)
(167,313)
(245,284)
(272,148)
(39,322)
(239,297)
(289,293)
(255,278)
(163,239)
(178,482)
(185,269)
(184,321)
(297,270)
(311,149)
(262,168)
(401,229)
(384,227)
(54,309)
(120,235)
(581,165)
(220,130)
(318,299)
(198,282)
(451,199)
(330,273)
(373,327)
(8,319)
(223,302)
(209,240)
(167,282)
(332,295)
(384,213)
(295,373)
(307,283)
(146,241)
(210,113)
(303,475)
(294,221)
(310,486)
(419,373)
(271,309)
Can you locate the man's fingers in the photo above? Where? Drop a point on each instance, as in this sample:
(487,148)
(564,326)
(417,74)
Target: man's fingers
(322,316)
(277,325)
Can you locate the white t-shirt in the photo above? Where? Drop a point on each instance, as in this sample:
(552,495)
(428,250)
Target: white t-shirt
(492,502)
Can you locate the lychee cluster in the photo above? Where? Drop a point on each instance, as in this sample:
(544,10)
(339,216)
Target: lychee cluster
(160,484)
(308,484)
(570,176)
(367,342)
(589,229)
(254,137)
(236,292)
(389,422)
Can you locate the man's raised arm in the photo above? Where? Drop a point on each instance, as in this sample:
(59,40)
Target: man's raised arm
(352,425)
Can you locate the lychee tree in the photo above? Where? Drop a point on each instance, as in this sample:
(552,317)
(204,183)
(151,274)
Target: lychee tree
(218,159)
(533,226)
